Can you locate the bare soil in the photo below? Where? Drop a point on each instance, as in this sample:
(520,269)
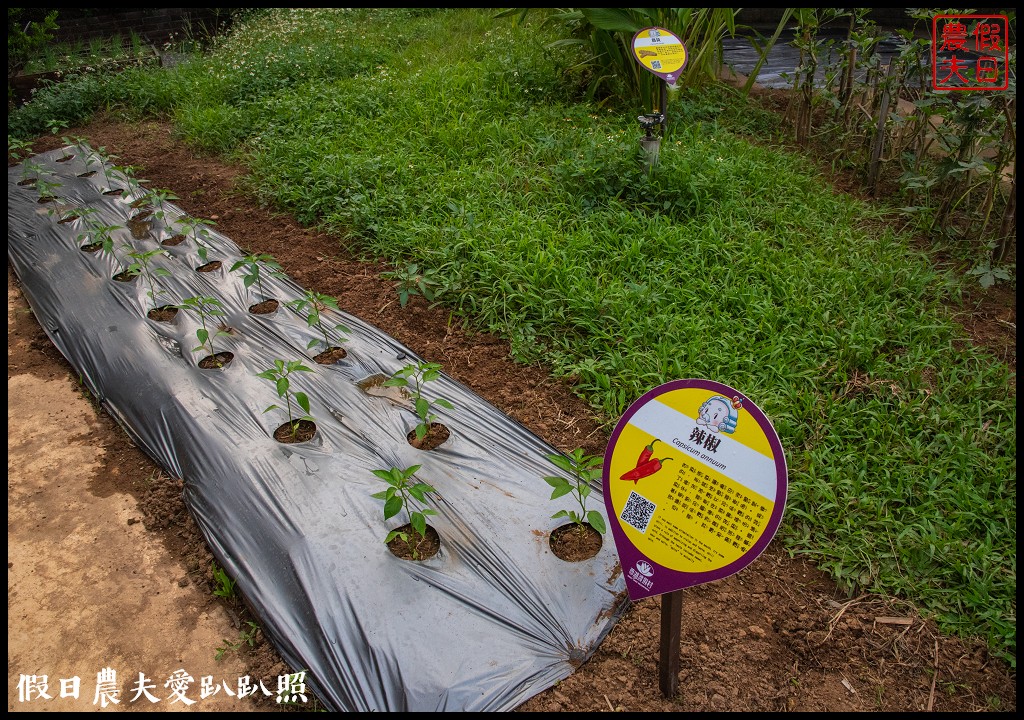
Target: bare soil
(777,636)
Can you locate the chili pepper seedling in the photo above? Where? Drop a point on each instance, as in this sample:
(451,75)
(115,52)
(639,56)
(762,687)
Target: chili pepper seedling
(45,188)
(196,227)
(31,171)
(583,470)
(83,213)
(159,199)
(127,173)
(313,305)
(98,233)
(142,266)
(414,377)
(63,210)
(279,375)
(404,494)
(101,156)
(255,267)
(205,307)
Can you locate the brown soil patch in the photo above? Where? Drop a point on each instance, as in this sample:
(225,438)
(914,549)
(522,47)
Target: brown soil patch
(415,547)
(575,543)
(777,636)
(303,431)
(264,308)
(436,435)
(164,313)
(216,361)
(331,355)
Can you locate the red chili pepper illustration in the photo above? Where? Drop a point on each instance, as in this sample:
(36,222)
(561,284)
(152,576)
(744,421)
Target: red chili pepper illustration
(641,471)
(646,454)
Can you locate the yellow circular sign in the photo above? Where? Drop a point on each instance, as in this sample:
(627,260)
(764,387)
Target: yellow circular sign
(695,485)
(660,52)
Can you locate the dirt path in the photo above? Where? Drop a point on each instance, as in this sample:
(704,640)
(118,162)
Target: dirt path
(88,586)
(777,636)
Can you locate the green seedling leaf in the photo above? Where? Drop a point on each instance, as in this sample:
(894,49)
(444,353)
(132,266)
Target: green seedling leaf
(395,533)
(422,407)
(404,493)
(582,469)
(419,523)
(392,507)
(279,375)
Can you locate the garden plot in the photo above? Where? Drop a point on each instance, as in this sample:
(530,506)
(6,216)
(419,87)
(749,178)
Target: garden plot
(489,621)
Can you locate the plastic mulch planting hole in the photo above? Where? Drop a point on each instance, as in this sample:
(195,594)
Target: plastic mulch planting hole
(331,355)
(478,614)
(266,307)
(164,313)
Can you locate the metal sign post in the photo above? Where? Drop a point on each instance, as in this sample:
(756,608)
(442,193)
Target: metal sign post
(663,54)
(695,485)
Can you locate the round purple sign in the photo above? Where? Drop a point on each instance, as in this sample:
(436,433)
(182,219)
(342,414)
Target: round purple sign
(695,486)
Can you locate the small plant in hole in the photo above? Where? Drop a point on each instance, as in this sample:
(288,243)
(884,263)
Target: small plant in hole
(63,211)
(223,585)
(413,377)
(280,376)
(90,157)
(196,228)
(158,200)
(142,265)
(31,171)
(313,305)
(86,214)
(97,235)
(205,308)
(413,281)
(46,189)
(105,160)
(255,267)
(404,492)
(583,469)
(127,176)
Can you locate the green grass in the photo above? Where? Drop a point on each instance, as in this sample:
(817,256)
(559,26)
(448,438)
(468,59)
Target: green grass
(461,145)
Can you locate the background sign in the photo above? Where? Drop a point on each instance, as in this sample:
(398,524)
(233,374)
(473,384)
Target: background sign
(661,52)
(694,485)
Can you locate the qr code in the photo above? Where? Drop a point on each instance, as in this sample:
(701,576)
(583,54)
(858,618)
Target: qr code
(638,511)
(656,64)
